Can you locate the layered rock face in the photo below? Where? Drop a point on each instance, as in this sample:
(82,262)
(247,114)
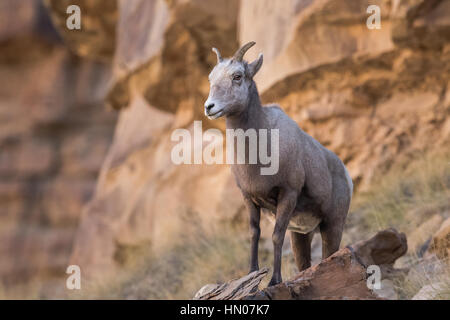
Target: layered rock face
(373,96)
(54,134)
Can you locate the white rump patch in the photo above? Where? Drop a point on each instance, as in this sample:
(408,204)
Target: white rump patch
(304,222)
(349,181)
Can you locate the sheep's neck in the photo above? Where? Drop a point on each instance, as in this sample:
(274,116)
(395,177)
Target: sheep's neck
(252,117)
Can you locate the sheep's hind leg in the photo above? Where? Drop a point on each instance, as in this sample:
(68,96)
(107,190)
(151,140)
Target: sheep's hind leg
(332,227)
(331,237)
(286,205)
(301,247)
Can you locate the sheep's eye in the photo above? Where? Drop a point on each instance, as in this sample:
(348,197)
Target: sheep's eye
(237,77)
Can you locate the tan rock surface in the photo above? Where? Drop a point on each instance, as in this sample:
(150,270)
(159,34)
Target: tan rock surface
(97,37)
(54,134)
(440,243)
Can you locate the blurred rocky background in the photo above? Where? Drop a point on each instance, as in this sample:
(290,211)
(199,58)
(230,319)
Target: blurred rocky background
(87,116)
(54,134)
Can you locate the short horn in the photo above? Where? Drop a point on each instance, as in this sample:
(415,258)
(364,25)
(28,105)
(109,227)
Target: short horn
(239,55)
(219,57)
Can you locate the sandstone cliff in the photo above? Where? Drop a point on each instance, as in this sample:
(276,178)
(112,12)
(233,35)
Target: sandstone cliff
(54,134)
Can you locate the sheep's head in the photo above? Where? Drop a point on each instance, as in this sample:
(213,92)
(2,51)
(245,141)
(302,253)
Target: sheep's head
(230,81)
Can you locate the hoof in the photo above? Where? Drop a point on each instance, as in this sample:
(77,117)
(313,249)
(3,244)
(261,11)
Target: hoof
(253,270)
(274,282)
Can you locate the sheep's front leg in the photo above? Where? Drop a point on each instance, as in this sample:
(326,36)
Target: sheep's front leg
(285,207)
(255,215)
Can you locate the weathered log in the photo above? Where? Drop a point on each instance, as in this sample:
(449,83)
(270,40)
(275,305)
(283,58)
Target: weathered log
(341,276)
(233,290)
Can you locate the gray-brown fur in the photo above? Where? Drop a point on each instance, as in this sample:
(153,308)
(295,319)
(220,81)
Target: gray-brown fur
(312,186)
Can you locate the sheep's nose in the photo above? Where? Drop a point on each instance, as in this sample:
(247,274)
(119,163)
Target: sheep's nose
(209,106)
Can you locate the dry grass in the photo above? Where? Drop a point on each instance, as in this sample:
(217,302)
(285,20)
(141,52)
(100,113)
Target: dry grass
(405,198)
(426,272)
(30,291)
(178,272)
(412,200)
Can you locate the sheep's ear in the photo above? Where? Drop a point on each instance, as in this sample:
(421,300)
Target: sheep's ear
(254,67)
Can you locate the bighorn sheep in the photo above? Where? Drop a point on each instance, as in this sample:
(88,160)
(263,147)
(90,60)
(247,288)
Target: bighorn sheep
(312,188)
